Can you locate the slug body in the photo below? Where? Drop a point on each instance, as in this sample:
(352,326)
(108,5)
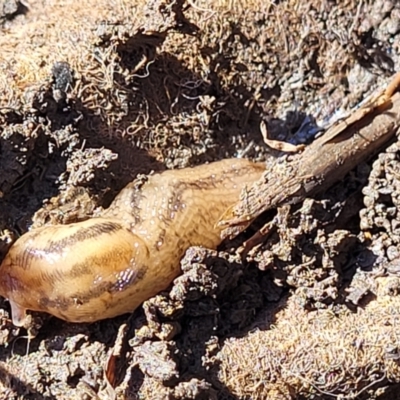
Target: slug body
(108,266)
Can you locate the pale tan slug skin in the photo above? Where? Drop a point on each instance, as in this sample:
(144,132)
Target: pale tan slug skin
(108,266)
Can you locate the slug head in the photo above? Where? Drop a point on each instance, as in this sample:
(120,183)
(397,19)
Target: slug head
(80,272)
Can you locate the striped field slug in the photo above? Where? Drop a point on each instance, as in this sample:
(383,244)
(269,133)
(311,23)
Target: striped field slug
(109,265)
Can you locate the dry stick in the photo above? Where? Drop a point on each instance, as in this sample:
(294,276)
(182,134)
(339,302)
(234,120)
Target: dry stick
(322,163)
(376,103)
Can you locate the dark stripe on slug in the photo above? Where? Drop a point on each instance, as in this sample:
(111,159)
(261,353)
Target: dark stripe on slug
(124,280)
(127,278)
(82,234)
(82,268)
(24,258)
(93,263)
(160,240)
(129,201)
(205,184)
(59,303)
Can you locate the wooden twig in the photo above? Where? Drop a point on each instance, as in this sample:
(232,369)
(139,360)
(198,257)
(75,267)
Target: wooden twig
(377,102)
(322,163)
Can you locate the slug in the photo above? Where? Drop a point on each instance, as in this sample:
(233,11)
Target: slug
(108,265)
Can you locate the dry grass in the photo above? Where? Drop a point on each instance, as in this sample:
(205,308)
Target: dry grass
(242,52)
(58,31)
(319,353)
